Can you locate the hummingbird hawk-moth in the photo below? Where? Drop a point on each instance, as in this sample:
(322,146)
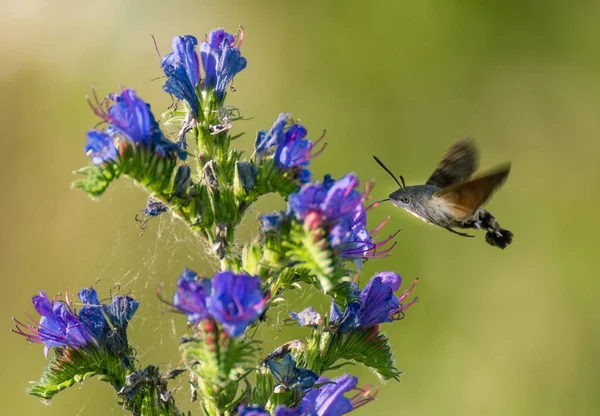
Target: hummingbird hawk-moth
(453,197)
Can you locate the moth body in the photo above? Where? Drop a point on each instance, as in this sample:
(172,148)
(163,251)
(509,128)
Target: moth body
(453,197)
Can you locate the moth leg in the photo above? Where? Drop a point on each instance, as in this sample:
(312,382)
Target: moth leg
(457,233)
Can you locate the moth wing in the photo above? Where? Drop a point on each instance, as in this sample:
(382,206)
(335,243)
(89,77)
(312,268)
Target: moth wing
(463,199)
(457,165)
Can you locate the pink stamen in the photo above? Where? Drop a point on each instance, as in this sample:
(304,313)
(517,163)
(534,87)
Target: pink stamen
(320,138)
(239,37)
(408,305)
(379,227)
(409,290)
(363,396)
(384,242)
(384,253)
(368,188)
(318,152)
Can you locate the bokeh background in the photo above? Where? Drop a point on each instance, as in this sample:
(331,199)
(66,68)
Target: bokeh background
(512,332)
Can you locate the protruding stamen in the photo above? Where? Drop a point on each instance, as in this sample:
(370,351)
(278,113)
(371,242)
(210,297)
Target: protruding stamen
(156,46)
(239,37)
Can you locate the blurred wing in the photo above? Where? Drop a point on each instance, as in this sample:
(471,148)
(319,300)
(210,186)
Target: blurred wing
(463,199)
(458,164)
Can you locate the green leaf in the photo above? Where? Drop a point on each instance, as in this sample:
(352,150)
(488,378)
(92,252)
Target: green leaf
(72,366)
(96,180)
(368,347)
(264,386)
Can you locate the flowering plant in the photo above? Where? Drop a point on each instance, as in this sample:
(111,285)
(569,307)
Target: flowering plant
(320,240)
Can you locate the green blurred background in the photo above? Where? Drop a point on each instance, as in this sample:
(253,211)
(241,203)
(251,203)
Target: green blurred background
(511,332)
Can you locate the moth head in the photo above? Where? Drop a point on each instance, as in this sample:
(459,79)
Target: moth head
(402,198)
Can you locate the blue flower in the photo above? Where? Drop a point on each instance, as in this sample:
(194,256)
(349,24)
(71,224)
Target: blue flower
(376,304)
(270,222)
(235,301)
(252,411)
(221,60)
(120,310)
(309,198)
(292,151)
(289,376)
(59,325)
(338,207)
(91,313)
(295,150)
(183,71)
(308,317)
(346,321)
(100,147)
(304,176)
(282,410)
(129,118)
(267,139)
(191,294)
(329,400)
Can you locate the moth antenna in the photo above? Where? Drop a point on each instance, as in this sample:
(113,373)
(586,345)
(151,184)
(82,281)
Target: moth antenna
(401,185)
(402,180)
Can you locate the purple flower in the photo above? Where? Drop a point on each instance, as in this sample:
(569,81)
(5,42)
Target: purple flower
(267,139)
(308,317)
(376,304)
(183,71)
(100,147)
(346,321)
(129,118)
(282,410)
(293,150)
(342,199)
(59,325)
(235,301)
(329,400)
(270,222)
(252,411)
(221,60)
(289,376)
(120,310)
(304,176)
(337,207)
(191,294)
(91,313)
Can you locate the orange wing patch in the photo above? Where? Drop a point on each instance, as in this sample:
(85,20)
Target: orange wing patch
(463,199)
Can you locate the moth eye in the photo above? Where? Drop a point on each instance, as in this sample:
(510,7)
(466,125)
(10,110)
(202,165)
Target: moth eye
(405,199)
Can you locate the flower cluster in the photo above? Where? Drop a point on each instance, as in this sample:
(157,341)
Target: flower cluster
(336,208)
(130,123)
(221,61)
(210,187)
(61,326)
(233,300)
(292,151)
